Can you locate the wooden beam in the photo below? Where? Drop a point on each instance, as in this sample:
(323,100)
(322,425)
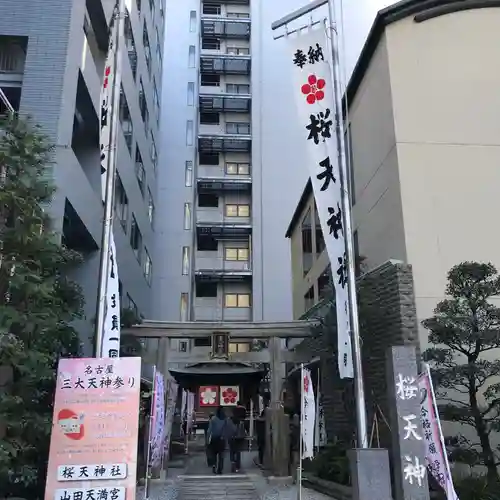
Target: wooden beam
(238,330)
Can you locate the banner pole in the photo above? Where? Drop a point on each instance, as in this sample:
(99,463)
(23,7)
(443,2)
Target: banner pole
(148,454)
(107,225)
(361,421)
(301,442)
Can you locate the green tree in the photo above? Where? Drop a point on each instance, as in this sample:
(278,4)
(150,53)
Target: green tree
(38,304)
(465,331)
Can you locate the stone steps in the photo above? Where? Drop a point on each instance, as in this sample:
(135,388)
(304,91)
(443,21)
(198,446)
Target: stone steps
(212,487)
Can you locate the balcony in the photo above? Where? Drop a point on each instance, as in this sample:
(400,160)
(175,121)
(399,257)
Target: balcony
(224,229)
(223,184)
(227,64)
(223,27)
(225,103)
(216,275)
(234,2)
(224,143)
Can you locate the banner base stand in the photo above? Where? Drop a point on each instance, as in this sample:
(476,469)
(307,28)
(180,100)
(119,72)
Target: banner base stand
(370,472)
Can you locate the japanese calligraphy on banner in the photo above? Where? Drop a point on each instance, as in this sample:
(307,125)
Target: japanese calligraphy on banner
(435,450)
(308,414)
(172,389)
(320,438)
(316,110)
(111,337)
(158,423)
(93,446)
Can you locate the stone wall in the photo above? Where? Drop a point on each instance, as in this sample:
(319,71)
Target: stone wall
(388,318)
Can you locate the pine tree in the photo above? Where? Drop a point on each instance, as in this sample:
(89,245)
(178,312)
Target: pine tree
(465,331)
(38,304)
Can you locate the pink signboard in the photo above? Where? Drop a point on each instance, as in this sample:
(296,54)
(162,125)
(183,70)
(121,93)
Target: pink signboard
(93,446)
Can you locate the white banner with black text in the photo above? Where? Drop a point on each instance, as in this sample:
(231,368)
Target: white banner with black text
(313,88)
(435,449)
(111,334)
(308,414)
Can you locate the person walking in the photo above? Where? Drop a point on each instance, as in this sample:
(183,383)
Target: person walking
(218,431)
(239,434)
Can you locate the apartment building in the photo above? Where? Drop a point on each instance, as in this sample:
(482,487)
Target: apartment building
(425,150)
(221,166)
(52,56)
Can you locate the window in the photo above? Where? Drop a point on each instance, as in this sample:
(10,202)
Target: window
(210,43)
(239,347)
(309,299)
(320,241)
(152,8)
(324,284)
(183,346)
(238,51)
(192,21)
(236,254)
(132,305)
(190,94)
(238,128)
(203,342)
(209,158)
(189,133)
(191,57)
(153,152)
(139,169)
(188,176)
(206,243)
(121,203)
(184,306)
(237,210)
(156,101)
(185,261)
(208,80)
(126,121)
(136,239)
(307,248)
(151,208)
(237,169)
(148,266)
(237,300)
(187,216)
(350,165)
(206,290)
(238,15)
(130,44)
(147,48)
(237,88)
(209,118)
(211,10)
(143,106)
(208,200)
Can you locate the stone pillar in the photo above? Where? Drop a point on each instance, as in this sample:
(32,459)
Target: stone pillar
(371,475)
(408,445)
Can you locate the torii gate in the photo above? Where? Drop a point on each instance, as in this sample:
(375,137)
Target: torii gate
(274,355)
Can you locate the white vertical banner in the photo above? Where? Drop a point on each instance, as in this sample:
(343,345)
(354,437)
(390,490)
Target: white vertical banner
(308,414)
(435,449)
(158,420)
(190,410)
(314,93)
(172,388)
(111,335)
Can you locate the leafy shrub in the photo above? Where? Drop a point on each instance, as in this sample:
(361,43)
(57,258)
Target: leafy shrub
(476,487)
(331,464)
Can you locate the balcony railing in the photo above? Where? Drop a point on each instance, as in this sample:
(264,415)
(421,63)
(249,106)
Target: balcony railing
(224,143)
(226,64)
(220,103)
(226,28)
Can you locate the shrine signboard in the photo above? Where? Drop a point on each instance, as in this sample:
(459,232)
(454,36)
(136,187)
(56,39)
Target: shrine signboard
(93,447)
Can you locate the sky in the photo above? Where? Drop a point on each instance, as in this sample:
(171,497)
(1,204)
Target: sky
(358,18)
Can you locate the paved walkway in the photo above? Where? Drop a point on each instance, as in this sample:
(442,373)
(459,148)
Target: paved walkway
(197,482)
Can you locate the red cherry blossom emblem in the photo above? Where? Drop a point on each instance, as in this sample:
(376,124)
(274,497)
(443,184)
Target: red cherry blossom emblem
(306,384)
(313,89)
(229,396)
